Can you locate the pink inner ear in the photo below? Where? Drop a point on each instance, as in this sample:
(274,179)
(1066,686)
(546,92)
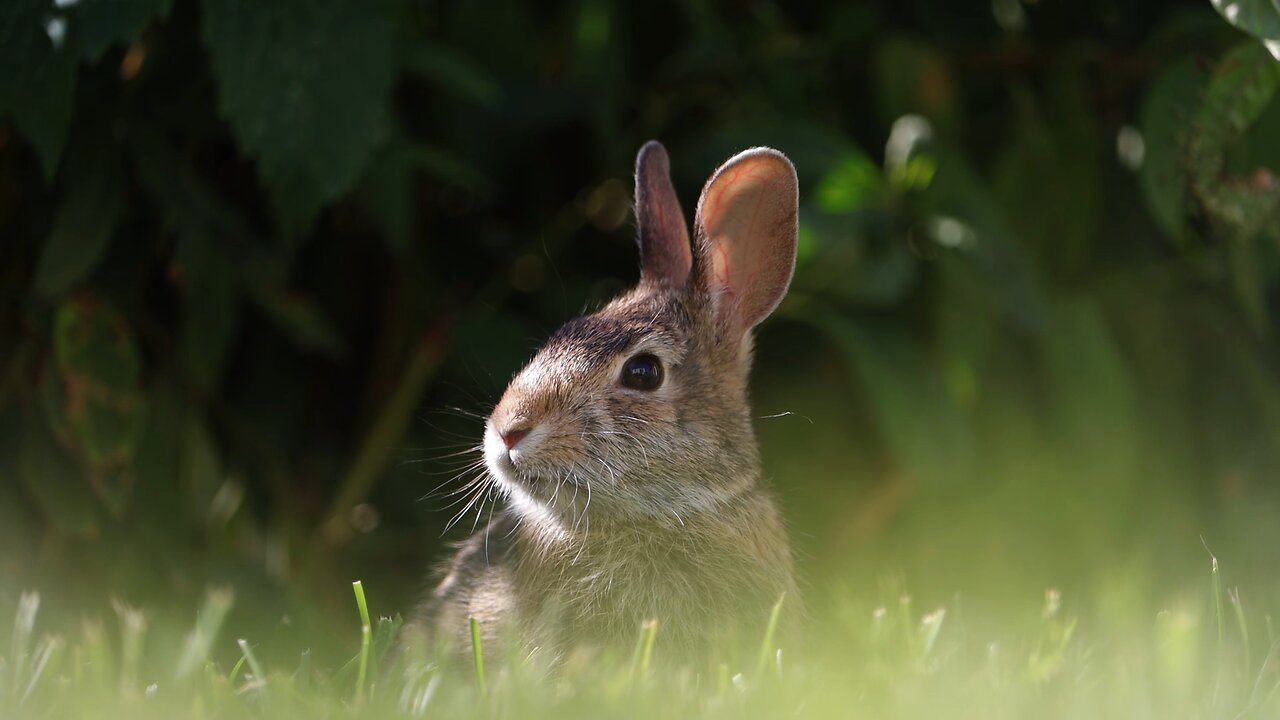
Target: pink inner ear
(747,237)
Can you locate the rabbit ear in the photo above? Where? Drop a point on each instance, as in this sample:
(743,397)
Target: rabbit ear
(665,258)
(746,230)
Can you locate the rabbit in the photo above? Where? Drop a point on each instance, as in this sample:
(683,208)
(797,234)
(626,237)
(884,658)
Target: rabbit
(624,452)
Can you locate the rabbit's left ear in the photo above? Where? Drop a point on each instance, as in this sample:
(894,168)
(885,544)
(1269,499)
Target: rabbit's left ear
(665,258)
(746,229)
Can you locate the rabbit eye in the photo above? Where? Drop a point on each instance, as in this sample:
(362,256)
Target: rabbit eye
(642,372)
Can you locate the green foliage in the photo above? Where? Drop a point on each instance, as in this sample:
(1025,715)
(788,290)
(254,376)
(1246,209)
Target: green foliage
(37,86)
(1259,18)
(1165,120)
(306,88)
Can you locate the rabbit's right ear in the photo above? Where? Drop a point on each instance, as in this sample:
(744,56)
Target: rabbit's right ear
(746,230)
(665,257)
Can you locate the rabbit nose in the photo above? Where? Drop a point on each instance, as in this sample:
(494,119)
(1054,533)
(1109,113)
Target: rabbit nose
(512,436)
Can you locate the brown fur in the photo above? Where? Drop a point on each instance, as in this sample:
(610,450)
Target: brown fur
(624,505)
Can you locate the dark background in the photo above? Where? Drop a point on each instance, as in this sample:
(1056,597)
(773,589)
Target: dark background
(264,265)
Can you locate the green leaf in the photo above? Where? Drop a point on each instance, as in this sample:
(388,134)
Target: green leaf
(306,86)
(83,227)
(37,83)
(447,166)
(92,340)
(1243,84)
(188,205)
(1259,18)
(853,181)
(99,24)
(1164,119)
(97,395)
(452,71)
(302,319)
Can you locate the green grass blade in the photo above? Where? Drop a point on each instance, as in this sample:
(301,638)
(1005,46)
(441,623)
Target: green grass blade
(259,677)
(643,653)
(1238,610)
(930,626)
(46,649)
(213,613)
(302,676)
(366,639)
(235,669)
(24,624)
(133,629)
(477,653)
(1218,611)
(767,644)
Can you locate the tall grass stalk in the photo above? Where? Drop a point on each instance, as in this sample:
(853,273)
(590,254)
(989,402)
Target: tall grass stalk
(643,654)
(770,632)
(366,639)
(477,655)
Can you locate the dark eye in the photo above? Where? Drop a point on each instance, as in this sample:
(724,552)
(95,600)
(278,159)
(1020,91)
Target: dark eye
(642,372)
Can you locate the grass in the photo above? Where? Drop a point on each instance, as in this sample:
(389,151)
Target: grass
(1193,658)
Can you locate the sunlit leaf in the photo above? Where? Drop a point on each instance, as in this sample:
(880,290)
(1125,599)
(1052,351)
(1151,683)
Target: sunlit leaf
(1259,18)
(849,184)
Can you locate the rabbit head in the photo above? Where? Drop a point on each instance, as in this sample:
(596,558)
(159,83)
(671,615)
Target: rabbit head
(639,412)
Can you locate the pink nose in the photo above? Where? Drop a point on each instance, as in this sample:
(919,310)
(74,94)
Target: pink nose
(512,437)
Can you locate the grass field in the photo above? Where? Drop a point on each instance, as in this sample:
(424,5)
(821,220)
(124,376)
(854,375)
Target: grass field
(1201,654)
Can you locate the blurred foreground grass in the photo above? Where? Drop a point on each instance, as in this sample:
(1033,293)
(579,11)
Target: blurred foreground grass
(1201,654)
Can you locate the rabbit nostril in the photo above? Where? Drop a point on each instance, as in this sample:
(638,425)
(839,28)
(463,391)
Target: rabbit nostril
(513,437)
